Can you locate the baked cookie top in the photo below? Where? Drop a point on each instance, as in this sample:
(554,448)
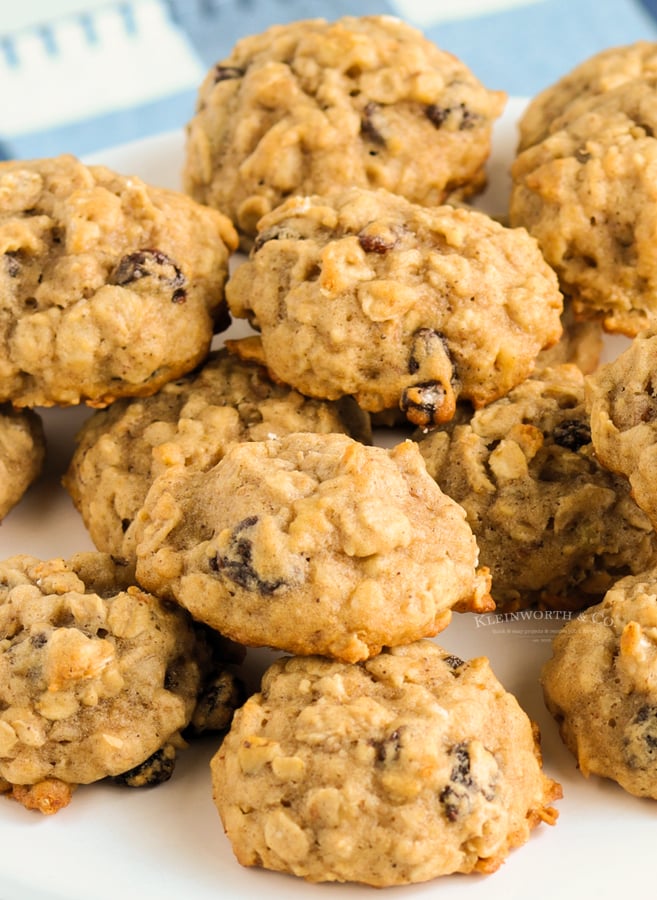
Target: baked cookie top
(190,421)
(554,527)
(312,543)
(95,675)
(601,685)
(587,194)
(22,452)
(396,770)
(313,105)
(108,287)
(598,74)
(363,293)
(623,407)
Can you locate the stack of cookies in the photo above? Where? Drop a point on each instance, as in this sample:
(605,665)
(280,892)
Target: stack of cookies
(236,495)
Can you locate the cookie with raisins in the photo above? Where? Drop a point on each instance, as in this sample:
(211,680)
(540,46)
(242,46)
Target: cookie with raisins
(311,106)
(363,293)
(586,193)
(600,685)
(405,767)
(190,421)
(622,399)
(598,74)
(22,453)
(553,525)
(311,543)
(108,287)
(97,678)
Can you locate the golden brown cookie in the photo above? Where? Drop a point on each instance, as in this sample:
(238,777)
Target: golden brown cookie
(586,192)
(554,527)
(97,678)
(22,453)
(598,74)
(600,685)
(108,287)
(312,106)
(365,294)
(623,409)
(411,765)
(312,543)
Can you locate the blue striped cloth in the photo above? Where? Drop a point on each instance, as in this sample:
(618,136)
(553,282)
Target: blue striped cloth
(125,70)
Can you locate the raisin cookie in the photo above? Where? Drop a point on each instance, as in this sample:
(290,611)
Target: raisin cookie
(554,527)
(411,765)
(313,105)
(363,293)
(22,453)
(312,543)
(601,685)
(96,676)
(122,449)
(622,399)
(587,194)
(108,287)
(596,75)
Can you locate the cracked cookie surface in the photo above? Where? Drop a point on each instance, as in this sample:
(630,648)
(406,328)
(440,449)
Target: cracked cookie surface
(311,544)
(553,525)
(411,765)
(363,293)
(601,685)
(313,105)
(109,287)
(190,421)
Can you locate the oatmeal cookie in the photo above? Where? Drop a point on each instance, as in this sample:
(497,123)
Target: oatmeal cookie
(587,194)
(108,287)
(622,399)
(554,527)
(598,74)
(96,676)
(190,421)
(396,770)
(601,685)
(313,105)
(365,294)
(312,543)
(22,453)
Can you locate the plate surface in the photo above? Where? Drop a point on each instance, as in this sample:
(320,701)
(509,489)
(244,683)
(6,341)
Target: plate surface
(167,843)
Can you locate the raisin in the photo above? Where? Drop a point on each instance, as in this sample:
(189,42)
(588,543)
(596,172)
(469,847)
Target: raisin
(217,703)
(455,797)
(572,434)
(388,749)
(368,128)
(582,155)
(150,264)
(237,563)
(427,342)
(12,265)
(155,770)
(376,243)
(227,73)
(421,403)
(454,662)
(459,115)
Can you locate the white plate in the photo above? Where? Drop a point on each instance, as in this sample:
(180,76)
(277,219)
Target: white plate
(167,843)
